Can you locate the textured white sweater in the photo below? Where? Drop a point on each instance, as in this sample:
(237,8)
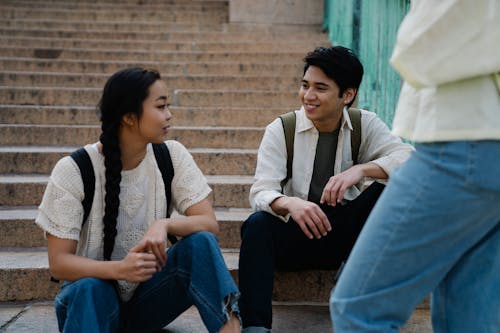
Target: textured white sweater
(142,201)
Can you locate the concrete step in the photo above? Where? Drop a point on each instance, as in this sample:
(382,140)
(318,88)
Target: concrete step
(95,80)
(264,57)
(76,135)
(27,190)
(41,160)
(181,116)
(92,5)
(181,97)
(261,99)
(186,46)
(49,63)
(214,37)
(209,15)
(164,27)
(287,317)
(83,24)
(132,2)
(18,229)
(24,276)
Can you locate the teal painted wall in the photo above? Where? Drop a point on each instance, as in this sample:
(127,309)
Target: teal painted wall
(369,27)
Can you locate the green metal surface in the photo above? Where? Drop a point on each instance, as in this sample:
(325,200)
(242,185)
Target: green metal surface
(369,27)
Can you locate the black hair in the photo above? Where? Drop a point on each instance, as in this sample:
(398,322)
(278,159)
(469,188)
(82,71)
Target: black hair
(124,93)
(338,63)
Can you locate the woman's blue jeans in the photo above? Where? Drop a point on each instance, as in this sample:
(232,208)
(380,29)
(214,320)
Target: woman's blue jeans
(436,228)
(195,274)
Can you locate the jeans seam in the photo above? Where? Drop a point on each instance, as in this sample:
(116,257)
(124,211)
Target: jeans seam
(391,236)
(207,304)
(470,164)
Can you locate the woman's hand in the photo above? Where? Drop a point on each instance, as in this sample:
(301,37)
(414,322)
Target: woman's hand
(137,266)
(154,242)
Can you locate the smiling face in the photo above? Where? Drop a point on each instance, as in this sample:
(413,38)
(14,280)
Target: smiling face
(154,122)
(320,98)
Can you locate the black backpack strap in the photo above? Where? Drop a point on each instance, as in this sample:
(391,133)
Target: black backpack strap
(355,116)
(288,121)
(164,162)
(82,159)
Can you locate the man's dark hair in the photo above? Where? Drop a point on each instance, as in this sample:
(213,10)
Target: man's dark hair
(338,63)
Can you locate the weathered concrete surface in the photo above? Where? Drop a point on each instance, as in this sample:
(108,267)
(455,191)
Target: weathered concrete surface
(40,317)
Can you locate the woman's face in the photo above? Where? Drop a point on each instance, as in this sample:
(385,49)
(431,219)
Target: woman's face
(155,119)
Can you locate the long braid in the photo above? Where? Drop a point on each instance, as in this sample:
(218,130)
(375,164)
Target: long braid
(123,94)
(113,165)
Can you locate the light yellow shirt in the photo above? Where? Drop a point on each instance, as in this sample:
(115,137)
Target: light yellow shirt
(448,52)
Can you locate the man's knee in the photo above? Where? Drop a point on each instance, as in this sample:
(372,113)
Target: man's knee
(257,224)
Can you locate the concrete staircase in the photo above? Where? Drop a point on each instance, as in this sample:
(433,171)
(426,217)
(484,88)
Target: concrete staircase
(227,82)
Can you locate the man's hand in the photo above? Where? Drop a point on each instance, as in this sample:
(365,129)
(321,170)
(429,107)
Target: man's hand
(309,216)
(334,190)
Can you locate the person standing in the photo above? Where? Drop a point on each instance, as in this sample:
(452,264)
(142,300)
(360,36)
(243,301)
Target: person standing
(436,227)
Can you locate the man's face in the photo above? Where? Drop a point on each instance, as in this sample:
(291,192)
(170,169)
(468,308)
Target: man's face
(320,98)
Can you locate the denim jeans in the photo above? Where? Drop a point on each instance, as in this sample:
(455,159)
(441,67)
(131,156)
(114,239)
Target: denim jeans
(436,228)
(268,243)
(195,274)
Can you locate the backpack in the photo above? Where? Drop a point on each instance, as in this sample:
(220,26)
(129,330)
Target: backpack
(288,121)
(163,160)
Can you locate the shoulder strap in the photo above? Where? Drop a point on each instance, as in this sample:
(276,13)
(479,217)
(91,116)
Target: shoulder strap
(355,115)
(82,159)
(166,167)
(164,162)
(288,121)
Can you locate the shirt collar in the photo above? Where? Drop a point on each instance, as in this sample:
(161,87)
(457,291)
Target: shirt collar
(346,121)
(304,124)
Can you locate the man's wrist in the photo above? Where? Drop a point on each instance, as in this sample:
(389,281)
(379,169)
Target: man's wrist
(280,205)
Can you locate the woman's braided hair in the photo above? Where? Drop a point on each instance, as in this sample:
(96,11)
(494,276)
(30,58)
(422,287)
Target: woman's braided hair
(124,93)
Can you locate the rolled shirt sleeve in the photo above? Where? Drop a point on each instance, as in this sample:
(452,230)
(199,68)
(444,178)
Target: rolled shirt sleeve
(381,147)
(271,169)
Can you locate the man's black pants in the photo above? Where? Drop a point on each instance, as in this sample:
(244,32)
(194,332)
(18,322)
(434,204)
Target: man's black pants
(268,243)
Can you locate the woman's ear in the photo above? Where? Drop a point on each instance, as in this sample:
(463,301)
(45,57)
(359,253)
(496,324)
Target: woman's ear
(129,119)
(349,95)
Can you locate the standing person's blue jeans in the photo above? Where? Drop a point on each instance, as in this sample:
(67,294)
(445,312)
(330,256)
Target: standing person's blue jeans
(195,274)
(436,228)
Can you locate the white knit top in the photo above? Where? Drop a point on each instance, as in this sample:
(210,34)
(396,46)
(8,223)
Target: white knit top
(142,201)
